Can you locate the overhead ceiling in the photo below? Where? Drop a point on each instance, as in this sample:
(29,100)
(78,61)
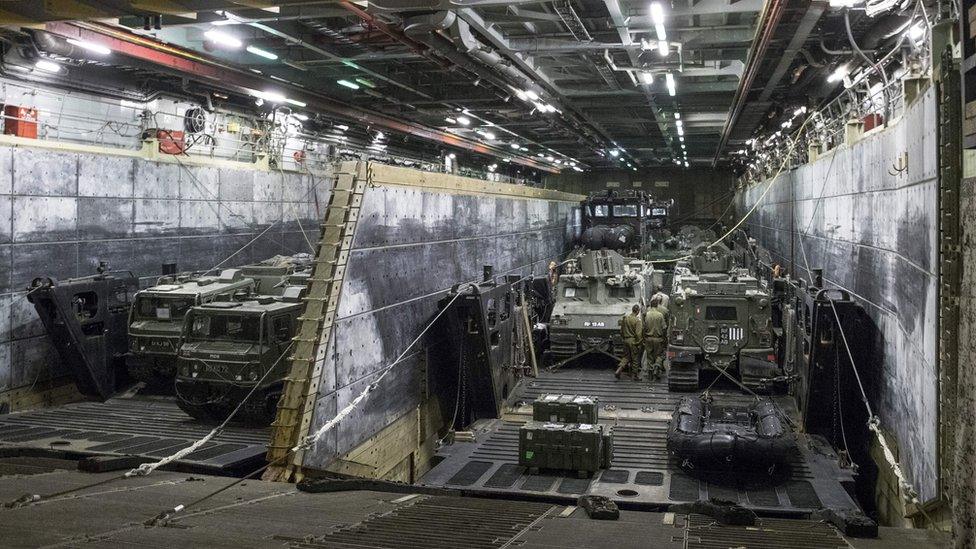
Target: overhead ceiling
(438,63)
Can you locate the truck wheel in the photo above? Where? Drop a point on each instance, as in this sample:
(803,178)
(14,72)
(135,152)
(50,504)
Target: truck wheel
(683,376)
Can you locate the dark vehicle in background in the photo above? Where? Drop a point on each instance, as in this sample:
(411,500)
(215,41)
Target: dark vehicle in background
(630,222)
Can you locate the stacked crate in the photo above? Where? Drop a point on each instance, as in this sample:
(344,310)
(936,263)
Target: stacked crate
(565,434)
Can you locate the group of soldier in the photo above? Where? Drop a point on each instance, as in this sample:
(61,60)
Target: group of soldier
(644,335)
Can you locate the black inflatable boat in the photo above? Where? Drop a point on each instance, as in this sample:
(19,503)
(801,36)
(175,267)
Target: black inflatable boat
(706,435)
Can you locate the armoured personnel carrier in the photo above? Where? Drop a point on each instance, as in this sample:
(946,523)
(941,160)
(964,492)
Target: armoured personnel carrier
(595,290)
(228,347)
(721,319)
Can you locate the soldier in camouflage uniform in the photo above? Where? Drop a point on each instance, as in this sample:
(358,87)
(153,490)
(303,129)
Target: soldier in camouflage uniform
(655,331)
(630,333)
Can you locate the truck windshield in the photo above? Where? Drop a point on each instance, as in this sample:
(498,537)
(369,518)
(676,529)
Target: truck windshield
(625,210)
(227,327)
(721,313)
(162,308)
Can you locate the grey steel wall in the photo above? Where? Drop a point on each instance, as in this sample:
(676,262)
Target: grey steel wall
(63,212)
(874,232)
(410,246)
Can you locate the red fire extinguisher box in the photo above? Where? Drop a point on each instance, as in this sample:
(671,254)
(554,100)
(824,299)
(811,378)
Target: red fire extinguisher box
(20,121)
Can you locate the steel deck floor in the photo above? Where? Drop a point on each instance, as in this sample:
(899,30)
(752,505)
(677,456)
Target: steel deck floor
(272,514)
(145,427)
(642,474)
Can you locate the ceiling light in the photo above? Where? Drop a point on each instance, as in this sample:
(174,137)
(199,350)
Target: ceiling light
(348,84)
(681,131)
(341,127)
(366,82)
(799,111)
(917,31)
(839,73)
(522,95)
(464,120)
(523,148)
(677,116)
(681,138)
(657,13)
(549,158)
(488,135)
(379,135)
(614,153)
(647,77)
(222,38)
(296,102)
(90,46)
(261,53)
(273,97)
(532,95)
(302,117)
(255,71)
(663,48)
(48,66)
(669,80)
(452,156)
(515,146)
(450,120)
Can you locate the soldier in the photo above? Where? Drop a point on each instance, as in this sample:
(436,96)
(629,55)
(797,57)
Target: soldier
(630,333)
(655,330)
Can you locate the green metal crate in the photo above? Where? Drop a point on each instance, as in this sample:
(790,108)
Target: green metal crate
(577,447)
(566,409)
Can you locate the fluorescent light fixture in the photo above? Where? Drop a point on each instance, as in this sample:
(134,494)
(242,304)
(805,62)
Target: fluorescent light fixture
(450,120)
(489,136)
(255,71)
(839,73)
(647,77)
(669,81)
(917,31)
(657,13)
(296,102)
(523,148)
(47,66)
(273,97)
(464,120)
(532,95)
(261,53)
(515,146)
(348,84)
(522,95)
(90,46)
(366,82)
(549,158)
(659,30)
(222,38)
(614,153)
(341,127)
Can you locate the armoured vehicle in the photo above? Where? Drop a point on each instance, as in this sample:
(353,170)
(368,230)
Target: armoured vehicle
(228,347)
(629,222)
(719,321)
(156,317)
(596,289)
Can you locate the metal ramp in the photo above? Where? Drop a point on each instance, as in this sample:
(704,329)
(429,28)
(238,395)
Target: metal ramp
(149,428)
(643,475)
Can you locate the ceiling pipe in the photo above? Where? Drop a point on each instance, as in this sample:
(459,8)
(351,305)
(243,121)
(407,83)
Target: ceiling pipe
(764,36)
(470,54)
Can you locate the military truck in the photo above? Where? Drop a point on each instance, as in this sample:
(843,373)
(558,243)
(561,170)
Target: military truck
(594,292)
(720,321)
(156,317)
(228,347)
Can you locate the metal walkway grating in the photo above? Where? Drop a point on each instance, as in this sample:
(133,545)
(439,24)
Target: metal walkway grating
(437,522)
(703,532)
(142,427)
